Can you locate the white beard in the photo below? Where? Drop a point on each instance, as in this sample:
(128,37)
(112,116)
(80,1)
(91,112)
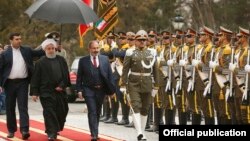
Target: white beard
(51,55)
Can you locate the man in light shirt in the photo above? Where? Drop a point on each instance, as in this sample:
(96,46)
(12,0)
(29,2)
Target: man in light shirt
(16,66)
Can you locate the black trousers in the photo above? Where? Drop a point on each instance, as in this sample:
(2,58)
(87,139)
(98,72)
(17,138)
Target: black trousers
(94,99)
(17,91)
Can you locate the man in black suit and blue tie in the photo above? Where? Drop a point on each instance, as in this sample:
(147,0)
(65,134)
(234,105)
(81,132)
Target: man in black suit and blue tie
(16,66)
(94,81)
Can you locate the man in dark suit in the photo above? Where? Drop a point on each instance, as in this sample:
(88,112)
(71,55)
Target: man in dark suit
(16,65)
(94,81)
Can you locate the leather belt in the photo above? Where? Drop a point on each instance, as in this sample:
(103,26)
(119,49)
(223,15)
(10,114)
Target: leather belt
(140,74)
(17,80)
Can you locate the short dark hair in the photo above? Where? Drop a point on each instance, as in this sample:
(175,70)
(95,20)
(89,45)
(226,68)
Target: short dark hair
(91,42)
(11,36)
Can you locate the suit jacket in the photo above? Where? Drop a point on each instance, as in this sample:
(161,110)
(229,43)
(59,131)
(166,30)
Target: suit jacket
(85,74)
(6,61)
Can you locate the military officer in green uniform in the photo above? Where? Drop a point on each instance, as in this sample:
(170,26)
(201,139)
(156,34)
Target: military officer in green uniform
(138,67)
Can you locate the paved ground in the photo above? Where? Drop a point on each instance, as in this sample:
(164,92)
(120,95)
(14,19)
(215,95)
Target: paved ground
(77,117)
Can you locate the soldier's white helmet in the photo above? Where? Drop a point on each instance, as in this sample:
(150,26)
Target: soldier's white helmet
(141,34)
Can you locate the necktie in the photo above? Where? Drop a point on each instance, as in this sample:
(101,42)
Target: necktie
(94,62)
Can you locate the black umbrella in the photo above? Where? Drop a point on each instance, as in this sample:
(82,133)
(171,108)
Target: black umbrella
(62,11)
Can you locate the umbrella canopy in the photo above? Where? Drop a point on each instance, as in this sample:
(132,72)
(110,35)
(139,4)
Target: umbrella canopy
(62,11)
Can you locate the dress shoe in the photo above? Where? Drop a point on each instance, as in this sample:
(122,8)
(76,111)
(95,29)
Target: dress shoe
(130,125)
(104,118)
(152,129)
(123,122)
(51,139)
(25,135)
(10,135)
(111,120)
(94,138)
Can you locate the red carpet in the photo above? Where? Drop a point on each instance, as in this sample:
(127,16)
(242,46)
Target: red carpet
(37,133)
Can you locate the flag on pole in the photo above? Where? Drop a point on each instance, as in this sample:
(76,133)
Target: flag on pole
(84,28)
(108,13)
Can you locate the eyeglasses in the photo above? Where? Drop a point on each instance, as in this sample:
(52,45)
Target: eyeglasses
(131,39)
(189,36)
(151,36)
(141,40)
(165,38)
(178,36)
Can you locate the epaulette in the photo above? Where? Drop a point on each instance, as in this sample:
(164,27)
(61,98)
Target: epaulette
(208,48)
(125,46)
(106,48)
(159,49)
(130,51)
(227,50)
(173,49)
(199,46)
(245,52)
(185,48)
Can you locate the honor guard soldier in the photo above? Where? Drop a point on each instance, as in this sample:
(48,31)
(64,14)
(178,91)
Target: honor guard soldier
(106,50)
(220,64)
(178,75)
(152,39)
(190,73)
(119,53)
(202,63)
(238,67)
(165,93)
(138,67)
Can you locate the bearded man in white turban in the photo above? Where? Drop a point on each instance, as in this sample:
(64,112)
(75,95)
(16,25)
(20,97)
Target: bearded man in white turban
(50,78)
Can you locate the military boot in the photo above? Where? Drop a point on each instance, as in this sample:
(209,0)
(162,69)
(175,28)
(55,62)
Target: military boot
(182,118)
(114,111)
(106,110)
(125,114)
(169,117)
(157,118)
(130,125)
(196,119)
(209,121)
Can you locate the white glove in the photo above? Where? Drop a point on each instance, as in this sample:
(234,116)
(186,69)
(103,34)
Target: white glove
(227,94)
(190,85)
(177,88)
(182,63)
(232,66)
(247,68)
(213,64)
(154,92)
(123,90)
(208,86)
(244,96)
(195,62)
(170,62)
(167,86)
(113,45)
